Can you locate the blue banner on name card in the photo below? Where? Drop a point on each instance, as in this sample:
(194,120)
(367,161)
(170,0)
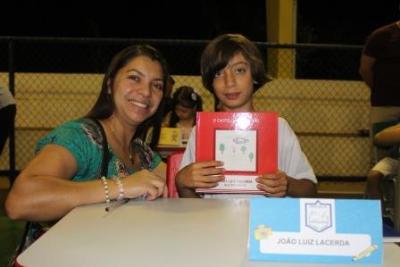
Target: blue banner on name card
(315,230)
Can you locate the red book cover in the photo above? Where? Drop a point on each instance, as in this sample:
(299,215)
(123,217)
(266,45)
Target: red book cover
(247,143)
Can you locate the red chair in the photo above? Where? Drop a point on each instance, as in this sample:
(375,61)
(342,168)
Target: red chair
(173,162)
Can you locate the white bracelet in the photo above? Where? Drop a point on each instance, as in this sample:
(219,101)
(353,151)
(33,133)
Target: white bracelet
(121,192)
(107,192)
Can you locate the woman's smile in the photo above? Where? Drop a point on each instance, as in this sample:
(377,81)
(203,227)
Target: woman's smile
(138,104)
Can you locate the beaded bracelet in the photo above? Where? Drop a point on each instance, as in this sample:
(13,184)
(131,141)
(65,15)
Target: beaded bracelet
(107,192)
(121,192)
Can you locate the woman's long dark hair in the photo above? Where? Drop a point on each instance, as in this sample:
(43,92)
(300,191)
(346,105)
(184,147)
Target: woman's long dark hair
(105,106)
(188,98)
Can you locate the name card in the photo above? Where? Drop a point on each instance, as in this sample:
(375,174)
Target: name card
(315,230)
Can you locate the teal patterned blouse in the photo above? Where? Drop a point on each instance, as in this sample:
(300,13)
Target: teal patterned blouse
(83,139)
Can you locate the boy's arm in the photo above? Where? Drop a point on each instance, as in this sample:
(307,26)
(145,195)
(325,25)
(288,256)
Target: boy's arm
(279,184)
(187,192)
(301,188)
(183,189)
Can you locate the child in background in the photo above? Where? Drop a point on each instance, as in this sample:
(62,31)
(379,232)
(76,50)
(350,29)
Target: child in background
(185,103)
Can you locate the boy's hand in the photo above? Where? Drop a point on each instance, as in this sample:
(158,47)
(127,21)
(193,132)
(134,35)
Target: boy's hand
(273,184)
(204,174)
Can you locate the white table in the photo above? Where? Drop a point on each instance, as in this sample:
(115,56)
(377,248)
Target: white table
(162,233)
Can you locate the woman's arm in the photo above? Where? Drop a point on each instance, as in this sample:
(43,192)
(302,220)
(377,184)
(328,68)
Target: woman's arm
(44,192)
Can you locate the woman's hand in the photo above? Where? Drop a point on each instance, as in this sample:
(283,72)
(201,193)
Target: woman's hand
(144,183)
(274,184)
(204,174)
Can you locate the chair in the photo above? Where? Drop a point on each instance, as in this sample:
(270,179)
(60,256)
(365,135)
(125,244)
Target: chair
(173,162)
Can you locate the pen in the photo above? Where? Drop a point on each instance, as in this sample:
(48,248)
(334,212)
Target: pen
(116,204)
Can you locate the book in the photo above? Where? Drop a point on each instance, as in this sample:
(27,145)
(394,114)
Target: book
(247,143)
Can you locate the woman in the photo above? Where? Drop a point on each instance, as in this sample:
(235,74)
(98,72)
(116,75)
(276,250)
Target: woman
(67,169)
(232,70)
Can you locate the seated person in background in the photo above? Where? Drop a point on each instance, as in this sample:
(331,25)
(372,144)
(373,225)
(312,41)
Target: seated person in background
(185,103)
(232,70)
(67,169)
(386,166)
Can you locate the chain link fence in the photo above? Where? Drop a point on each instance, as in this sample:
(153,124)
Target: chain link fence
(316,88)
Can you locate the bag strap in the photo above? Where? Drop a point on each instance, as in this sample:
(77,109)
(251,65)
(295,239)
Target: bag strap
(24,237)
(106,152)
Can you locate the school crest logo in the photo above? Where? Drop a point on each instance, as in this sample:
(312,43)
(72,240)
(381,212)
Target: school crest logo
(318,216)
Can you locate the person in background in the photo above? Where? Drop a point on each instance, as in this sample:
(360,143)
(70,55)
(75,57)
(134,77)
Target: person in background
(380,69)
(8,110)
(232,70)
(185,103)
(386,166)
(67,169)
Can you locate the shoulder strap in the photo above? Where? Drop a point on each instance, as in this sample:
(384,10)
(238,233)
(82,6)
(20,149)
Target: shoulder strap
(106,152)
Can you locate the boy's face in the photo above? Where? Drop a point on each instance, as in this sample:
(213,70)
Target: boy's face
(233,85)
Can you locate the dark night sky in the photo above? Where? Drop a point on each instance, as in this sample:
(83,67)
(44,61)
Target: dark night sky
(343,21)
(328,21)
(319,22)
(134,19)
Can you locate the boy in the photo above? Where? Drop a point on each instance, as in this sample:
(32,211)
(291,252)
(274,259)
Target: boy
(232,69)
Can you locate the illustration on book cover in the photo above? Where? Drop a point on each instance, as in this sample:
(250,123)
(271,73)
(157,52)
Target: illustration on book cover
(237,149)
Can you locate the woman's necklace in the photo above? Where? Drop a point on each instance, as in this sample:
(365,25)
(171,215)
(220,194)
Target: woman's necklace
(121,144)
